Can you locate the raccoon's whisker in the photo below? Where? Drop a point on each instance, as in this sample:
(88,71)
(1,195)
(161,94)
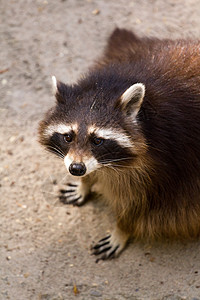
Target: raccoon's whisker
(116,160)
(45,192)
(117,165)
(53,152)
(116,170)
(63,179)
(57,154)
(55,149)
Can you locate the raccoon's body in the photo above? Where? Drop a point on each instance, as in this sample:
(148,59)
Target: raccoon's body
(131,129)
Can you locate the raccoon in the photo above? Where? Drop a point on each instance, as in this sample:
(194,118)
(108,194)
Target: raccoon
(130,130)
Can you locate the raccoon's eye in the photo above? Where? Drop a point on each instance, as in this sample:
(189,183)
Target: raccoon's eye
(97,141)
(68,137)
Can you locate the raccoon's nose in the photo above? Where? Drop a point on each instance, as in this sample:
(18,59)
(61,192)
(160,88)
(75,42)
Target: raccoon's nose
(77,169)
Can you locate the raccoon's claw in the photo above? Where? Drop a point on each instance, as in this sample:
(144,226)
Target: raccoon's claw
(110,246)
(72,194)
(104,249)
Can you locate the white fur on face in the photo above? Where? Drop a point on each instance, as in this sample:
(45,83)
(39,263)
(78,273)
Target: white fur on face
(91,165)
(113,134)
(67,161)
(60,128)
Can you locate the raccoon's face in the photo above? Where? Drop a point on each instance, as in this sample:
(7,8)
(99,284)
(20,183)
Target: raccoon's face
(90,131)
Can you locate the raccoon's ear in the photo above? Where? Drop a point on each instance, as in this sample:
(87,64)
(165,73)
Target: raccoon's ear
(131,100)
(59,89)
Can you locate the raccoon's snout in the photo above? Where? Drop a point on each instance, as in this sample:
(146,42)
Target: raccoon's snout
(77,169)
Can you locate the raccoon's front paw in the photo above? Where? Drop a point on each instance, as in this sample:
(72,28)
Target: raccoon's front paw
(110,246)
(73,193)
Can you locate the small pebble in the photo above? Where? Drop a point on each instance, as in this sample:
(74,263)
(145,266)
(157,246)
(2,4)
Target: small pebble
(96,12)
(4,81)
(95,293)
(12,139)
(26,275)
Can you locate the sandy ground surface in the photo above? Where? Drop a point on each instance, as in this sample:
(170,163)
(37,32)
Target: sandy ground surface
(45,246)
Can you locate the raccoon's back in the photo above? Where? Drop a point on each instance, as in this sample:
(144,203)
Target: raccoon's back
(178,60)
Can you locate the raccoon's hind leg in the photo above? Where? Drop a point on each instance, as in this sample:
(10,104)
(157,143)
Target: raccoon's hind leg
(74,193)
(111,246)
